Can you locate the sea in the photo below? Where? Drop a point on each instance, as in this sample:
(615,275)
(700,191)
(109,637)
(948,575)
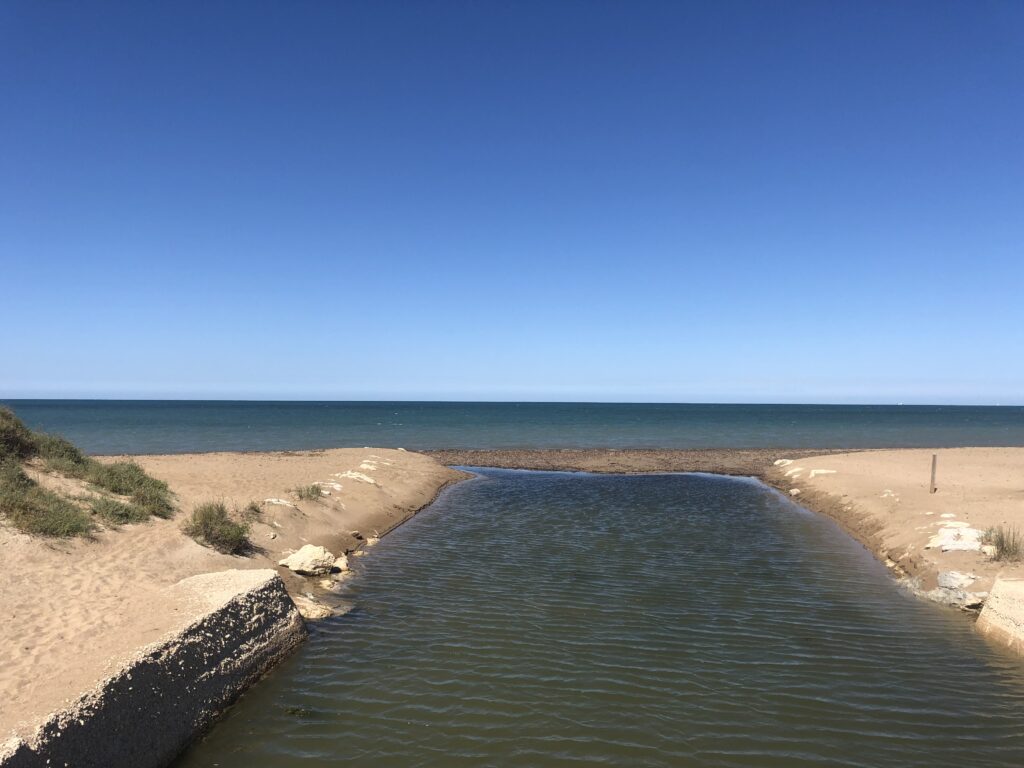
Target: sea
(176,426)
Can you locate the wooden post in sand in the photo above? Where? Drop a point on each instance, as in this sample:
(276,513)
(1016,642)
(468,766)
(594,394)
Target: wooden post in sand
(932,488)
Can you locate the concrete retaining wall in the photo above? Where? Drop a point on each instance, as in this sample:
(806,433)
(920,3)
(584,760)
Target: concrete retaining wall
(1002,617)
(149,711)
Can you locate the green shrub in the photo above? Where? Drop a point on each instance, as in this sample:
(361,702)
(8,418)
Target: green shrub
(117,513)
(211,524)
(62,456)
(16,440)
(308,492)
(33,509)
(126,478)
(1008,542)
(120,477)
(253,511)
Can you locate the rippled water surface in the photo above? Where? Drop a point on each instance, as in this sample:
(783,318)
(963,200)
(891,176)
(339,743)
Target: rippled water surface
(547,619)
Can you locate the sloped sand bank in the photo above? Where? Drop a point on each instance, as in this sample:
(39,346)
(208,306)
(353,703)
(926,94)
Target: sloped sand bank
(79,615)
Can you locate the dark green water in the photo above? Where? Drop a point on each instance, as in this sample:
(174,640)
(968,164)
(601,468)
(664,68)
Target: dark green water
(547,619)
(141,426)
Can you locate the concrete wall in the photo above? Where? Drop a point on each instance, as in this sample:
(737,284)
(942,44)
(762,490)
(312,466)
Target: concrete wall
(148,712)
(1002,617)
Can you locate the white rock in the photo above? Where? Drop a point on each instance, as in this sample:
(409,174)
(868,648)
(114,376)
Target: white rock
(309,561)
(311,608)
(955,538)
(957,598)
(794,491)
(340,564)
(357,476)
(956,579)
(816,472)
(783,462)
(372,540)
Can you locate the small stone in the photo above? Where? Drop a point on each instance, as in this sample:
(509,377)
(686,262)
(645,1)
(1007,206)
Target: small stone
(372,540)
(271,535)
(794,491)
(989,550)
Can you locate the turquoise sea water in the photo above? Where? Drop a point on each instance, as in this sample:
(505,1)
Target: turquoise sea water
(556,619)
(105,426)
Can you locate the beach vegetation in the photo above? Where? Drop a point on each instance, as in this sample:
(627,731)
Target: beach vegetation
(308,492)
(16,440)
(42,511)
(252,512)
(1007,540)
(61,456)
(36,510)
(126,478)
(211,524)
(114,512)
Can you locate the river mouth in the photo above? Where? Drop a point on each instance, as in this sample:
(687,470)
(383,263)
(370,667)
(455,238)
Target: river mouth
(544,618)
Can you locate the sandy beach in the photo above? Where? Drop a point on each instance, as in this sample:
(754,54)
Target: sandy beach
(74,610)
(883,498)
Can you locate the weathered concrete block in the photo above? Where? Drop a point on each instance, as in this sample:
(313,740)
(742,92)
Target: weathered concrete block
(1002,618)
(153,707)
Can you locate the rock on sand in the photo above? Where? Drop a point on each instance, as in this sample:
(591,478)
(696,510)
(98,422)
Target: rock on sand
(309,561)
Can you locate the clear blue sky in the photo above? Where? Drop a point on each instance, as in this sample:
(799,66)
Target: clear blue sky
(724,201)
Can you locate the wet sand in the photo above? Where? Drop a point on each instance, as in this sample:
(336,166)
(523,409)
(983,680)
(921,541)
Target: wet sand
(754,462)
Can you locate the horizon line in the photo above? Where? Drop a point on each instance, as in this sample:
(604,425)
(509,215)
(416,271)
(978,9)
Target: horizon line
(112,399)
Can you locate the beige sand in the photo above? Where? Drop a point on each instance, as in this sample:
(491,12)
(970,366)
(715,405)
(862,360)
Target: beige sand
(883,497)
(72,611)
